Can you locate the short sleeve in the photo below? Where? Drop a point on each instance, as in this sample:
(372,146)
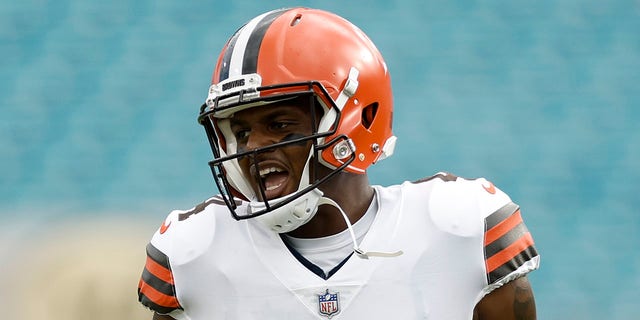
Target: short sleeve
(156,288)
(509,249)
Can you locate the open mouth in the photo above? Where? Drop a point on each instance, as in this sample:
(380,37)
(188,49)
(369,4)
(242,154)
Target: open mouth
(274,181)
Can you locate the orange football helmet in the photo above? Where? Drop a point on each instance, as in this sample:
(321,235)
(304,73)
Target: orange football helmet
(291,52)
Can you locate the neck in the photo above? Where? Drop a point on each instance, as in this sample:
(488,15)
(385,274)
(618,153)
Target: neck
(352,192)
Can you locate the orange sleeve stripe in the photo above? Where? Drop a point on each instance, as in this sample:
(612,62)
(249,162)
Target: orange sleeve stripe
(159,271)
(503,227)
(158,297)
(509,252)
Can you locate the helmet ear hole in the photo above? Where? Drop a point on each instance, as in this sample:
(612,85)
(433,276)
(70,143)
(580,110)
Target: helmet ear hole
(296,20)
(368,114)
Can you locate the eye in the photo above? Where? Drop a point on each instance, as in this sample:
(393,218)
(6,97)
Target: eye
(280,125)
(241,134)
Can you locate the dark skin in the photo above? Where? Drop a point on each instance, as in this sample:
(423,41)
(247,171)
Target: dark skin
(262,126)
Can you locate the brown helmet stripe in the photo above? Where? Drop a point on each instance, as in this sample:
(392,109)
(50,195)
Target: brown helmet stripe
(242,51)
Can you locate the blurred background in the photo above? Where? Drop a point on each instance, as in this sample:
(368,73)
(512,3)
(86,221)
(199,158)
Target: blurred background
(99,139)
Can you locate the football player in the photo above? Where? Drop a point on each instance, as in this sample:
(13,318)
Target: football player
(299,107)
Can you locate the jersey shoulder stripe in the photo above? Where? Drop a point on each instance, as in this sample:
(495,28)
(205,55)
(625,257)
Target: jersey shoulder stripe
(508,244)
(444,176)
(156,289)
(216,200)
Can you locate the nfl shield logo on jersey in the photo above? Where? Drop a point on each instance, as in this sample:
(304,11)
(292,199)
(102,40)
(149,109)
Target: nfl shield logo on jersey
(329,303)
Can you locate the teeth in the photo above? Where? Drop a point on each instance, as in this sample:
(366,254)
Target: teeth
(273,188)
(266,171)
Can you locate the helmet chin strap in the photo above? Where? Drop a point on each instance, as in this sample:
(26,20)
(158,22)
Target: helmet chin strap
(356,248)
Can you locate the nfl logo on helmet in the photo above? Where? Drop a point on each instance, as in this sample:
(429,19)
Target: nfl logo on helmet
(328,303)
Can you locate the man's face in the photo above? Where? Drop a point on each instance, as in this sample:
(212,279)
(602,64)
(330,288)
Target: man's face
(278,170)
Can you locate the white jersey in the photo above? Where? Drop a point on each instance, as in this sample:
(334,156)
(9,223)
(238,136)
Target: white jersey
(459,238)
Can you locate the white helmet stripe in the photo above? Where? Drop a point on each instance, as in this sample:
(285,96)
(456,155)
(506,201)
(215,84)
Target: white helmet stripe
(246,44)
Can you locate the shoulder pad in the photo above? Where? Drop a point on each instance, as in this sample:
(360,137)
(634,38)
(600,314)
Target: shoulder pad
(185,234)
(459,206)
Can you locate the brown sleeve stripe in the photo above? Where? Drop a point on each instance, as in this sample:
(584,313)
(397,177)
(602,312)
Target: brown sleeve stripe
(156,288)
(509,252)
(506,211)
(512,264)
(156,300)
(508,243)
(157,283)
(502,228)
(158,271)
(158,256)
(490,249)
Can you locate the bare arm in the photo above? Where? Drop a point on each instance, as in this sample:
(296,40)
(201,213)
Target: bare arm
(512,301)
(157,316)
